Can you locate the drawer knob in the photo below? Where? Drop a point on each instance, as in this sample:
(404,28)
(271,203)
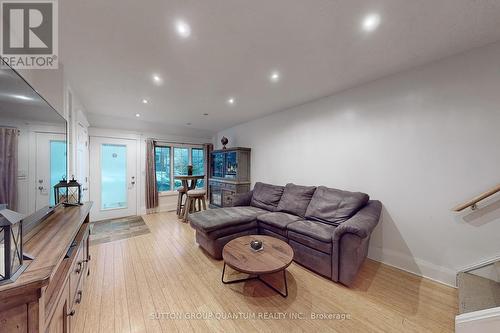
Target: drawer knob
(71,313)
(79,269)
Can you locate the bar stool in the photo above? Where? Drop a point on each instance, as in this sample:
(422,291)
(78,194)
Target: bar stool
(181,192)
(193,197)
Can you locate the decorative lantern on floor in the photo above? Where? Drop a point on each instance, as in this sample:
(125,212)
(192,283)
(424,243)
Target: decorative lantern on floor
(11,245)
(68,193)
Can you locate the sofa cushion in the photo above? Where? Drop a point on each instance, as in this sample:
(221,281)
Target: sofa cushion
(278,219)
(266,196)
(295,199)
(309,257)
(232,229)
(334,206)
(276,222)
(317,230)
(213,219)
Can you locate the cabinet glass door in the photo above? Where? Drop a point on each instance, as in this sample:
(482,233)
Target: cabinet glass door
(231,165)
(218,165)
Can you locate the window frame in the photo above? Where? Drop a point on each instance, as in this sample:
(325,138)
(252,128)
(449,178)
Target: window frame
(190,147)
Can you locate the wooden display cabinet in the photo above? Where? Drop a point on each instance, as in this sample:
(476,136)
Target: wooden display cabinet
(230,174)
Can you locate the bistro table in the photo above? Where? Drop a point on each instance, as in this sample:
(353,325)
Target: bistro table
(188,183)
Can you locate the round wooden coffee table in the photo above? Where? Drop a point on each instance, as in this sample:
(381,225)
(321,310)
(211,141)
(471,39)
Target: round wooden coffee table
(275,256)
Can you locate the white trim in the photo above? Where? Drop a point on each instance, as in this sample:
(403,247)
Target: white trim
(414,265)
(480,264)
(478,321)
(478,315)
(167,193)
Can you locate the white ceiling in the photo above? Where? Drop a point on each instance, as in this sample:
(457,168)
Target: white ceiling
(110,49)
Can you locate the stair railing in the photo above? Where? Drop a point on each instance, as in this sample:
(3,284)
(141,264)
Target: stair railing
(473,202)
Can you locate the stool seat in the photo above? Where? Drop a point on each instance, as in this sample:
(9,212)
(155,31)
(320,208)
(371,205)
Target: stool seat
(194,193)
(193,197)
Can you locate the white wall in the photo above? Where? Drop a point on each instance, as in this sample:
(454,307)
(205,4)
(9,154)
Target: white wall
(420,141)
(167,202)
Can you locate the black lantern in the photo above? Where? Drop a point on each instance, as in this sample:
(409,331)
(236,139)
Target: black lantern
(68,193)
(11,245)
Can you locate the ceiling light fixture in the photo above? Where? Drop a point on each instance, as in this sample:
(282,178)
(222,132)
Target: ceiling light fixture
(189,124)
(137,115)
(157,79)
(205,114)
(274,76)
(24,98)
(231,101)
(370,22)
(183,29)
(145,101)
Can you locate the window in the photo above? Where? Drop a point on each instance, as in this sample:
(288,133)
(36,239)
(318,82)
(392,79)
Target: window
(181,162)
(173,161)
(57,165)
(162,167)
(198,162)
(113,176)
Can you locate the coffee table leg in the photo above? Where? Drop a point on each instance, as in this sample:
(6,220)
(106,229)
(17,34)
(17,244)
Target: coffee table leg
(238,280)
(285,294)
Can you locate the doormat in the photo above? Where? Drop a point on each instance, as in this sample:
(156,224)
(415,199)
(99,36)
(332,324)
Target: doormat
(106,231)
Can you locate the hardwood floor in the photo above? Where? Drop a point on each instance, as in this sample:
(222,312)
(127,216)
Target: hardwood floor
(153,282)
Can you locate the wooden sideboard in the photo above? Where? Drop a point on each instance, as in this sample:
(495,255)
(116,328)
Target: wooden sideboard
(46,295)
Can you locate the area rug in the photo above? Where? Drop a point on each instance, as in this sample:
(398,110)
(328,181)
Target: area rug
(115,229)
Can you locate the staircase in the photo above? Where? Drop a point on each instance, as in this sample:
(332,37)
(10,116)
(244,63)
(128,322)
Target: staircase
(479,289)
(479,286)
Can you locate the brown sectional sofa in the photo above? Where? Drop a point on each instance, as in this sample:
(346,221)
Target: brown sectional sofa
(328,229)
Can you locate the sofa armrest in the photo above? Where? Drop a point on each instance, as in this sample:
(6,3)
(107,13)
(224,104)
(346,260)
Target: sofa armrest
(362,223)
(350,242)
(243,199)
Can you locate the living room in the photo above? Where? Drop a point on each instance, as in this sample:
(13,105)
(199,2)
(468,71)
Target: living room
(237,166)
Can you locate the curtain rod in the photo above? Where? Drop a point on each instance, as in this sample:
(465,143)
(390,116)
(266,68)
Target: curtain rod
(12,127)
(178,142)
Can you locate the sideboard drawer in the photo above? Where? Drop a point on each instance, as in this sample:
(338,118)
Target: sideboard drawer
(76,272)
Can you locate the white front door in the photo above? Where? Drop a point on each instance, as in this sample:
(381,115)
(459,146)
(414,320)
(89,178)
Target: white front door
(50,166)
(113,178)
(82,160)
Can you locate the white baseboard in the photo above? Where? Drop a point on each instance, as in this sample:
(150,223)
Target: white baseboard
(483,321)
(414,265)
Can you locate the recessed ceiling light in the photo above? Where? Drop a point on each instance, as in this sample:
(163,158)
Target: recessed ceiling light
(205,114)
(274,76)
(145,101)
(137,115)
(183,29)
(231,101)
(370,22)
(189,124)
(157,79)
